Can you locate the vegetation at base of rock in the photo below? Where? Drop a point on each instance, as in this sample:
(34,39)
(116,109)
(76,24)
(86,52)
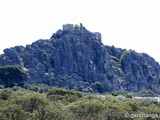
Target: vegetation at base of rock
(41,88)
(11,75)
(147,92)
(19,103)
(99,86)
(66,96)
(5,94)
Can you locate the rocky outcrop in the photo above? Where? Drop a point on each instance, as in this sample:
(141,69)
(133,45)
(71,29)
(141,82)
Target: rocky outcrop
(76,59)
(139,70)
(35,60)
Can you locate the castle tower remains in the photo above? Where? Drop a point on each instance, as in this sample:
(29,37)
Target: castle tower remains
(68,27)
(97,35)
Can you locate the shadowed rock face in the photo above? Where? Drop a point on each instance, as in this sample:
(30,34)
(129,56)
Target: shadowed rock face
(76,59)
(140,71)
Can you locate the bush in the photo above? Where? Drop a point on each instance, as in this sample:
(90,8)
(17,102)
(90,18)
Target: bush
(126,52)
(5,94)
(147,92)
(76,27)
(88,109)
(41,88)
(115,93)
(11,75)
(13,112)
(99,86)
(58,91)
(31,101)
(2,86)
(50,113)
(31,87)
(128,95)
(65,96)
(115,59)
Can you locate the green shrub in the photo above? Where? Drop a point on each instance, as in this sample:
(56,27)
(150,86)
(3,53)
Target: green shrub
(115,93)
(87,90)
(5,94)
(31,101)
(76,27)
(31,87)
(99,86)
(2,86)
(128,95)
(13,112)
(50,113)
(126,52)
(65,96)
(41,88)
(147,92)
(58,91)
(115,59)
(88,109)
(11,75)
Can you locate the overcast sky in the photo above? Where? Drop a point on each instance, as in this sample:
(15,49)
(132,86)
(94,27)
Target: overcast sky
(130,24)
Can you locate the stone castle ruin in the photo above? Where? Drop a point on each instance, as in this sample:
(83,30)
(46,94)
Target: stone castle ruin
(68,27)
(98,35)
(81,27)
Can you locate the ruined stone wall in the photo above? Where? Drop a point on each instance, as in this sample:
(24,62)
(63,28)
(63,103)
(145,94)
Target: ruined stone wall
(68,27)
(98,35)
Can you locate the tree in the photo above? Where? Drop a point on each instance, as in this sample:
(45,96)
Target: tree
(32,101)
(11,75)
(13,112)
(5,94)
(86,109)
(99,86)
(63,95)
(76,27)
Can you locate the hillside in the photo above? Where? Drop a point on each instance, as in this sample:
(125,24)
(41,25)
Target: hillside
(75,58)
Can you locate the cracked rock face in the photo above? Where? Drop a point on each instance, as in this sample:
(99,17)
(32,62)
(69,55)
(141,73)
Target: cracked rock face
(75,59)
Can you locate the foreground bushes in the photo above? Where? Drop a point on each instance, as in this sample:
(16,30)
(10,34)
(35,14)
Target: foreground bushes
(63,95)
(60,104)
